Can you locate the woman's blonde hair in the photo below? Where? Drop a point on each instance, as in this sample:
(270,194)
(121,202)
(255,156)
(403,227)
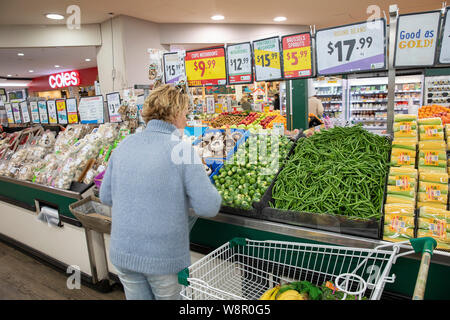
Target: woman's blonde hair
(165,103)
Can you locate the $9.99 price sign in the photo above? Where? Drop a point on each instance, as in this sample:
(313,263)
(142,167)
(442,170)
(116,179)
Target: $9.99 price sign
(297,56)
(351,48)
(206,67)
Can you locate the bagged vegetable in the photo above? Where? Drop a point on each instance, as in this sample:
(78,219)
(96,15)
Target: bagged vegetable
(432,145)
(433,196)
(403,221)
(400,151)
(434,224)
(435,205)
(430,121)
(438,177)
(434,132)
(399,190)
(396,233)
(403,160)
(397,199)
(439,234)
(405,143)
(428,212)
(405,118)
(399,209)
(425,186)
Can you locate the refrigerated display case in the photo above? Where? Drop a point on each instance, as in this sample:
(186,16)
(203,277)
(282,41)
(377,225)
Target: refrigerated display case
(437,91)
(331,92)
(368,100)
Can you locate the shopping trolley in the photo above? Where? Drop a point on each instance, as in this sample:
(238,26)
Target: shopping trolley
(244,269)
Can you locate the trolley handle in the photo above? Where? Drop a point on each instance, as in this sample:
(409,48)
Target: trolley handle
(425,246)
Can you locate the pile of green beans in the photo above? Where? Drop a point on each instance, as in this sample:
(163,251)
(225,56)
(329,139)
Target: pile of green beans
(340,171)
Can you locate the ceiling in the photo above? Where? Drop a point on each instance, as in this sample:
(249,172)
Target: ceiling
(43,60)
(322,13)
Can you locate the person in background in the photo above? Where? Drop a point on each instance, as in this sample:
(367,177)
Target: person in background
(151,191)
(315,106)
(276,102)
(246,106)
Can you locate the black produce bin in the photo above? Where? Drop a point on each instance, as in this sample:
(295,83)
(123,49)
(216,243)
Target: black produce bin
(367,228)
(256,211)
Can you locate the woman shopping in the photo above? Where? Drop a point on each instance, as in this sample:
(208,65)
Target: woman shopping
(152,180)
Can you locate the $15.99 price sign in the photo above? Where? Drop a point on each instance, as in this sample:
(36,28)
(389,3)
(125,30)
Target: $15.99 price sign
(352,48)
(206,67)
(297,56)
(267,59)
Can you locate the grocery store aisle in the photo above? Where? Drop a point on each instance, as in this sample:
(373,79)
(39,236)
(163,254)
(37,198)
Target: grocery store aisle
(24,278)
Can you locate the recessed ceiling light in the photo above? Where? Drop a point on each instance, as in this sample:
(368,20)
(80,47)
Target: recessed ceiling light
(9,75)
(279,19)
(20,54)
(56,66)
(54,16)
(31,71)
(217,17)
(87,59)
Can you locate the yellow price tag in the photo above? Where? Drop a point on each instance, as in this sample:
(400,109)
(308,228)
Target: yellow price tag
(206,67)
(297,55)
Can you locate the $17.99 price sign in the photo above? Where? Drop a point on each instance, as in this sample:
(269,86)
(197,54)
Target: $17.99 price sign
(352,48)
(297,56)
(206,67)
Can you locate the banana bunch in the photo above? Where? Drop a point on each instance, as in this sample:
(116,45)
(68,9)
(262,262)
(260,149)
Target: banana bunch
(289,291)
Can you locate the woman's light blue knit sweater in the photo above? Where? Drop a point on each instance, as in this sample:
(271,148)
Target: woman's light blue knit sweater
(151,182)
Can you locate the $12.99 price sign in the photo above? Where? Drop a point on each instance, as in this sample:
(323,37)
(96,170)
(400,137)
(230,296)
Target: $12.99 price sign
(239,58)
(206,67)
(351,48)
(297,56)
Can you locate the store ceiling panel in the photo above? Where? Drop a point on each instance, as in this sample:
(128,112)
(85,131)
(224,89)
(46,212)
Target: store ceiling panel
(42,61)
(322,13)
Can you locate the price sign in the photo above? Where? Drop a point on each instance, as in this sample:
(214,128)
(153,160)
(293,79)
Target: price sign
(42,105)
(9,112)
(52,113)
(25,112)
(266,55)
(417,35)
(351,48)
(206,67)
(113,102)
(140,105)
(62,112)
(444,55)
(174,71)
(239,59)
(72,112)
(91,109)
(297,56)
(16,112)
(34,112)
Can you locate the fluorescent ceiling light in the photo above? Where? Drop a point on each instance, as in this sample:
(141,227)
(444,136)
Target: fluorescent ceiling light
(54,16)
(279,19)
(9,75)
(31,71)
(56,66)
(12,83)
(20,54)
(217,17)
(87,59)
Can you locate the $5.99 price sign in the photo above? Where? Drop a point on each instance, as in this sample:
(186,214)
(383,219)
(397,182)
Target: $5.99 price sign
(239,59)
(297,56)
(267,59)
(351,48)
(206,67)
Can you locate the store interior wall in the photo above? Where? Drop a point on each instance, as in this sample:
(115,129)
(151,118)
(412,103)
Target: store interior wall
(29,36)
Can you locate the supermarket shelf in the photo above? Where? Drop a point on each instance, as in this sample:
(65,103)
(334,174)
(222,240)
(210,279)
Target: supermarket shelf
(369,109)
(408,91)
(362,93)
(439,257)
(328,94)
(370,101)
(331,101)
(370,120)
(61,192)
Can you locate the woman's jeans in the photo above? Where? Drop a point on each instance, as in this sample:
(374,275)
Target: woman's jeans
(140,286)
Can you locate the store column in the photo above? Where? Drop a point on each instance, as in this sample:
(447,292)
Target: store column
(297,104)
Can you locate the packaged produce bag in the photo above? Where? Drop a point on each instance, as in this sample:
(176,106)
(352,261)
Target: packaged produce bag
(399,209)
(434,224)
(405,143)
(433,155)
(405,118)
(431,165)
(441,237)
(400,151)
(399,199)
(428,212)
(403,159)
(396,234)
(431,195)
(403,182)
(396,219)
(405,126)
(432,145)
(425,186)
(435,205)
(430,121)
(401,190)
(438,177)
(432,132)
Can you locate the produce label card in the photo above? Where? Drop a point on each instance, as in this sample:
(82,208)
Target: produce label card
(62,112)
(9,112)
(16,112)
(43,111)
(113,102)
(34,112)
(25,112)
(52,113)
(267,59)
(72,111)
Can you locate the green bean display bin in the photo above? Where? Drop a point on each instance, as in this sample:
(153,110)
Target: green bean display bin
(320,176)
